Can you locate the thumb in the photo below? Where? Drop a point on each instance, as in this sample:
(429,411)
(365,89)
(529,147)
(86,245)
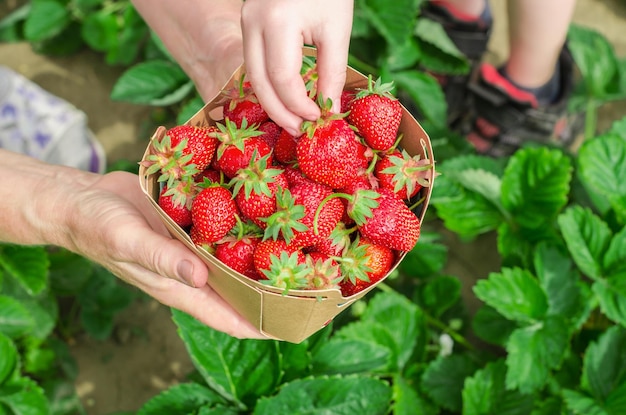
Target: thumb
(171,258)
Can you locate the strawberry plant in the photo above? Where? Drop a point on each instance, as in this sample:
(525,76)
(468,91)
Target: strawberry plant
(37,285)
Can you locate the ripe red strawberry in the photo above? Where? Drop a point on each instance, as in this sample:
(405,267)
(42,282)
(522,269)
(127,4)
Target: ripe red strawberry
(298,219)
(255,190)
(336,243)
(201,143)
(285,147)
(238,254)
(329,152)
(213,213)
(273,247)
(237,147)
(176,205)
(378,262)
(270,131)
(403,174)
(243,104)
(376,114)
(320,216)
(294,175)
(171,163)
(392,224)
(346,99)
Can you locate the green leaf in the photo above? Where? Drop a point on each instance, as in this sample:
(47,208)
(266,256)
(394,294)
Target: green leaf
(535,186)
(439,294)
(189,109)
(444,377)
(581,404)
(69,272)
(15,319)
(47,18)
(491,326)
(485,394)
(427,258)
(616,402)
(403,320)
(336,395)
(426,93)
(611,294)
(602,163)
(604,363)
(24,397)
(462,204)
(9,359)
(101,299)
(440,54)
(602,167)
(462,211)
(595,57)
(587,238)
(129,39)
(347,356)
(615,256)
(153,83)
(27,264)
(391,19)
(100,30)
(543,344)
(239,370)
(408,401)
(182,399)
(561,283)
(515,293)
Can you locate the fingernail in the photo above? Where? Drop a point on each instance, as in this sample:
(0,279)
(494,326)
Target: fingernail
(292,131)
(184,270)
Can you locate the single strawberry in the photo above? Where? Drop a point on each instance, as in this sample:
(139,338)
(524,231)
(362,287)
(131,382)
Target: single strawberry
(285,147)
(376,114)
(324,272)
(270,131)
(402,173)
(321,215)
(266,249)
(329,153)
(237,146)
(391,224)
(200,241)
(287,271)
(255,190)
(375,260)
(214,213)
(316,217)
(176,203)
(347,95)
(209,174)
(294,175)
(200,143)
(238,254)
(243,104)
(171,162)
(336,243)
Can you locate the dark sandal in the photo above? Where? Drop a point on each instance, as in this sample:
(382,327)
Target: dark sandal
(506,117)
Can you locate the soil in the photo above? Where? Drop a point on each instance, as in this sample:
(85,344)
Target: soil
(146,355)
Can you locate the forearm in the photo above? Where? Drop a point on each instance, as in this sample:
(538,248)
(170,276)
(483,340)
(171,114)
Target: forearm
(204,37)
(34,202)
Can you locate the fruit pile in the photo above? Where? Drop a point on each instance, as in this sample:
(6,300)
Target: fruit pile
(331,208)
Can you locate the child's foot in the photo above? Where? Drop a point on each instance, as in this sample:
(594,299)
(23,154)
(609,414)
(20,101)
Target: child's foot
(507,116)
(36,123)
